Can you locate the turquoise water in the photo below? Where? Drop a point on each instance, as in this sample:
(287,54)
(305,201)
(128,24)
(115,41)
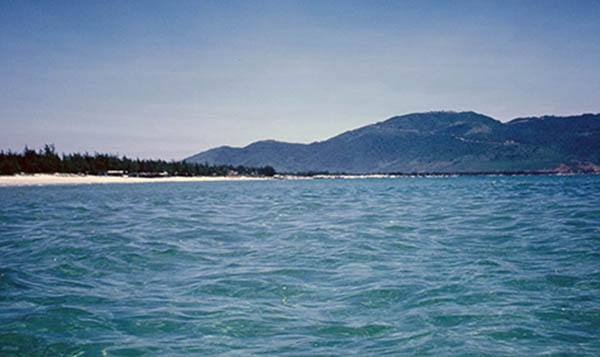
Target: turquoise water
(434,266)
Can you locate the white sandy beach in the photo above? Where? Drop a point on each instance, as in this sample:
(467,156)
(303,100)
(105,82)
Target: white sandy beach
(74,179)
(67,179)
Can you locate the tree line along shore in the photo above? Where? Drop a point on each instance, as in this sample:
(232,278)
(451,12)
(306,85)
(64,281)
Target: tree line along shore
(47,160)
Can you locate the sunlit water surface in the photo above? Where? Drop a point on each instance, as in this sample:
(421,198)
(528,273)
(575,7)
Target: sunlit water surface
(440,266)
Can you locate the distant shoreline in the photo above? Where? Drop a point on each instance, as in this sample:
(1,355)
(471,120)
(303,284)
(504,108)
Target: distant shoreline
(81,179)
(442,174)
(75,179)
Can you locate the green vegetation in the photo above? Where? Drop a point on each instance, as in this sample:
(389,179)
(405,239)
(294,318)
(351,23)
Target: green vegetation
(48,161)
(434,142)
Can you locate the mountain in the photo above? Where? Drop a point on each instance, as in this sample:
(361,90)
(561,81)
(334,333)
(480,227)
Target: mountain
(441,142)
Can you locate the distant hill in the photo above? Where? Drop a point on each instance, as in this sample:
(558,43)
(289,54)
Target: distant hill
(441,142)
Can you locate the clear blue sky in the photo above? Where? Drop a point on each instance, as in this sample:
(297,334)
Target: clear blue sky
(167,79)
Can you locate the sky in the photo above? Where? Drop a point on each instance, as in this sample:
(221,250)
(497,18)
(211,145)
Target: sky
(168,79)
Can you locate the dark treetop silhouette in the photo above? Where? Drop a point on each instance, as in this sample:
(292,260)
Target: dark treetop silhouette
(48,161)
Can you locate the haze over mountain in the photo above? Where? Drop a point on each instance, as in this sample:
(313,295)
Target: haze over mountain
(441,142)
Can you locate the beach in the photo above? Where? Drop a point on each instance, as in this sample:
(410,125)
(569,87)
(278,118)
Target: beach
(82,179)
(73,179)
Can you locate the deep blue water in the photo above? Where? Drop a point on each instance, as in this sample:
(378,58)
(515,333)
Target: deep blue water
(438,266)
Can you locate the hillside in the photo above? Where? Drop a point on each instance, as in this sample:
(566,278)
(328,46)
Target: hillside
(434,142)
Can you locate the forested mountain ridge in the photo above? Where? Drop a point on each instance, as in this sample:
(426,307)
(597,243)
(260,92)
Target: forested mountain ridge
(441,142)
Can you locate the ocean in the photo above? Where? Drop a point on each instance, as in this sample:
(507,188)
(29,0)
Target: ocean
(388,266)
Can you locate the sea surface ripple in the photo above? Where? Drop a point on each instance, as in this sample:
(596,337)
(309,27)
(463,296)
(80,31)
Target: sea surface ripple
(434,266)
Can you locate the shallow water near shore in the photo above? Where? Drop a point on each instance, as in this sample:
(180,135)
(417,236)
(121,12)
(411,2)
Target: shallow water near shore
(435,266)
